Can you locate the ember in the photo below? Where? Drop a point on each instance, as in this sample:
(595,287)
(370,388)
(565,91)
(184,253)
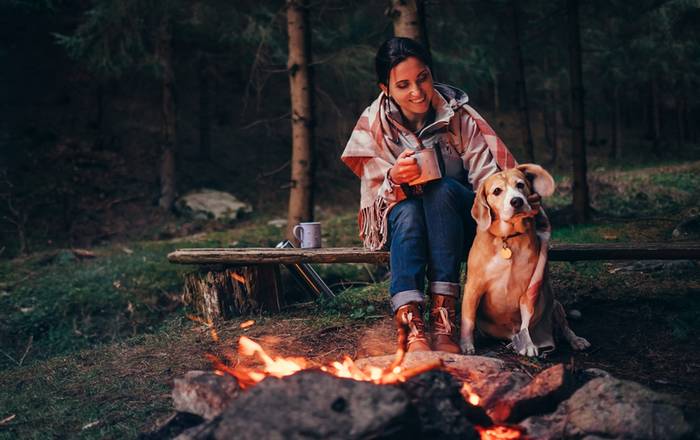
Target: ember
(501,433)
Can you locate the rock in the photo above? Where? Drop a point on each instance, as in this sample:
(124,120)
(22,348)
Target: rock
(574,314)
(463,367)
(204,393)
(612,409)
(442,411)
(541,395)
(207,203)
(689,227)
(312,404)
(596,372)
(493,387)
(278,222)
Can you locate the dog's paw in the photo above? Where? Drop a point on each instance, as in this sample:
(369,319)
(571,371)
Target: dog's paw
(529,350)
(467,347)
(578,343)
(522,344)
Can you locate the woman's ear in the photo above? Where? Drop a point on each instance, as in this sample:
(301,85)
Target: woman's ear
(384,88)
(481,211)
(542,181)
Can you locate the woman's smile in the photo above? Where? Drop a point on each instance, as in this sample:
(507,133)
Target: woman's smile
(411,87)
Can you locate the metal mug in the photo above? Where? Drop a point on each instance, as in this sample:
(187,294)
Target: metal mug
(429,166)
(308,234)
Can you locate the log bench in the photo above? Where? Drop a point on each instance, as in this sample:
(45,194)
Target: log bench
(238,281)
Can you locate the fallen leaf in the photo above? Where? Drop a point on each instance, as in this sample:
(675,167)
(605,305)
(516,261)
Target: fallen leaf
(83,253)
(90,425)
(7,420)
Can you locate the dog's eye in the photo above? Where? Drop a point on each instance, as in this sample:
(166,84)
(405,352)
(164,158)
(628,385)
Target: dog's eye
(497,191)
(520,185)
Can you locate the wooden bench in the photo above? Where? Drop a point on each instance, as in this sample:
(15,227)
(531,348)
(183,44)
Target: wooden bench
(236,281)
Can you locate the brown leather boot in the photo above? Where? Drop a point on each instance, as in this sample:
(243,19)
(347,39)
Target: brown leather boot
(443,311)
(410,328)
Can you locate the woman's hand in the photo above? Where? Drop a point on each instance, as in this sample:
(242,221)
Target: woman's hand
(534,200)
(405,169)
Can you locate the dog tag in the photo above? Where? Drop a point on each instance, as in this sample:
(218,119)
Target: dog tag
(506,253)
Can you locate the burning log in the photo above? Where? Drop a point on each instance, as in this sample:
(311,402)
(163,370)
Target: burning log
(442,411)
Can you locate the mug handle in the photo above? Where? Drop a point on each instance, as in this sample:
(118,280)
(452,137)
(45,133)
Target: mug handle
(299,236)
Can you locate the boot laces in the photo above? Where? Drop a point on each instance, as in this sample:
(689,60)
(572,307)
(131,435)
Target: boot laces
(416,330)
(445,327)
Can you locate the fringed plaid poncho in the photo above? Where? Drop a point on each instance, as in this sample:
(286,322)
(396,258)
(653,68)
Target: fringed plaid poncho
(379,138)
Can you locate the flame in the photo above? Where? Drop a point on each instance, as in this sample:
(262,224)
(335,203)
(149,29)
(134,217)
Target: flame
(238,277)
(246,324)
(501,432)
(469,395)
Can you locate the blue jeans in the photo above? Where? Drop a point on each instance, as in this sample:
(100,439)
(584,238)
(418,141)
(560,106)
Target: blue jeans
(433,231)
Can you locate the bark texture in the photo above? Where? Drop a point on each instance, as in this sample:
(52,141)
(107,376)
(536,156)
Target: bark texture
(408,18)
(523,106)
(578,141)
(168,109)
(226,293)
(301,200)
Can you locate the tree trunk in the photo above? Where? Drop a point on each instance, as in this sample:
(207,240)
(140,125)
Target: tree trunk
(549,115)
(655,118)
(301,201)
(496,91)
(224,293)
(580,184)
(680,120)
(615,138)
(523,107)
(169,122)
(408,17)
(204,108)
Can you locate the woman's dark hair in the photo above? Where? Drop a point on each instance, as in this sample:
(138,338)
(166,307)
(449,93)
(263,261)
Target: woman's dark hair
(395,50)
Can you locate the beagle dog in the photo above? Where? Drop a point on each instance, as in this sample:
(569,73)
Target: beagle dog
(507,294)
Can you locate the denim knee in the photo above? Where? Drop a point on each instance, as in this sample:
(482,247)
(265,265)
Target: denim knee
(406,220)
(449,189)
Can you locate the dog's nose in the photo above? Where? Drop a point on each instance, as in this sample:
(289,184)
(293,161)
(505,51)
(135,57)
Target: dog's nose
(516,202)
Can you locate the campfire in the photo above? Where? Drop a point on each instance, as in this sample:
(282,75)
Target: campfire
(281,367)
(254,394)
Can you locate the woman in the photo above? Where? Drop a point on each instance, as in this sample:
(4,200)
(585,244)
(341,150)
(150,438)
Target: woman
(427,227)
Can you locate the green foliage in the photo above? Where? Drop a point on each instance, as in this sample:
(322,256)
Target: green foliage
(117,35)
(64,304)
(357,303)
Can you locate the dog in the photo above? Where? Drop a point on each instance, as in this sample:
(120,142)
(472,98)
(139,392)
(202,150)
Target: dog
(507,294)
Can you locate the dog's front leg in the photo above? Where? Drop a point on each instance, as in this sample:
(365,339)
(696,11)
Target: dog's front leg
(522,342)
(470,302)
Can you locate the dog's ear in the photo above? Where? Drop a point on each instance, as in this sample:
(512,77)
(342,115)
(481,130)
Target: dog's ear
(542,181)
(481,211)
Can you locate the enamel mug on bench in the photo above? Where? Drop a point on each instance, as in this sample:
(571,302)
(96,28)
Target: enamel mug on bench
(308,234)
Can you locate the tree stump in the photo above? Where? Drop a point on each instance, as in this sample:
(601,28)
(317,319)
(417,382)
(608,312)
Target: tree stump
(226,292)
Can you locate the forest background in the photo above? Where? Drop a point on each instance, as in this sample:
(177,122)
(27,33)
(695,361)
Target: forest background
(86,121)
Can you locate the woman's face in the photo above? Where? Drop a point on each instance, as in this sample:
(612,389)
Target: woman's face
(411,87)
